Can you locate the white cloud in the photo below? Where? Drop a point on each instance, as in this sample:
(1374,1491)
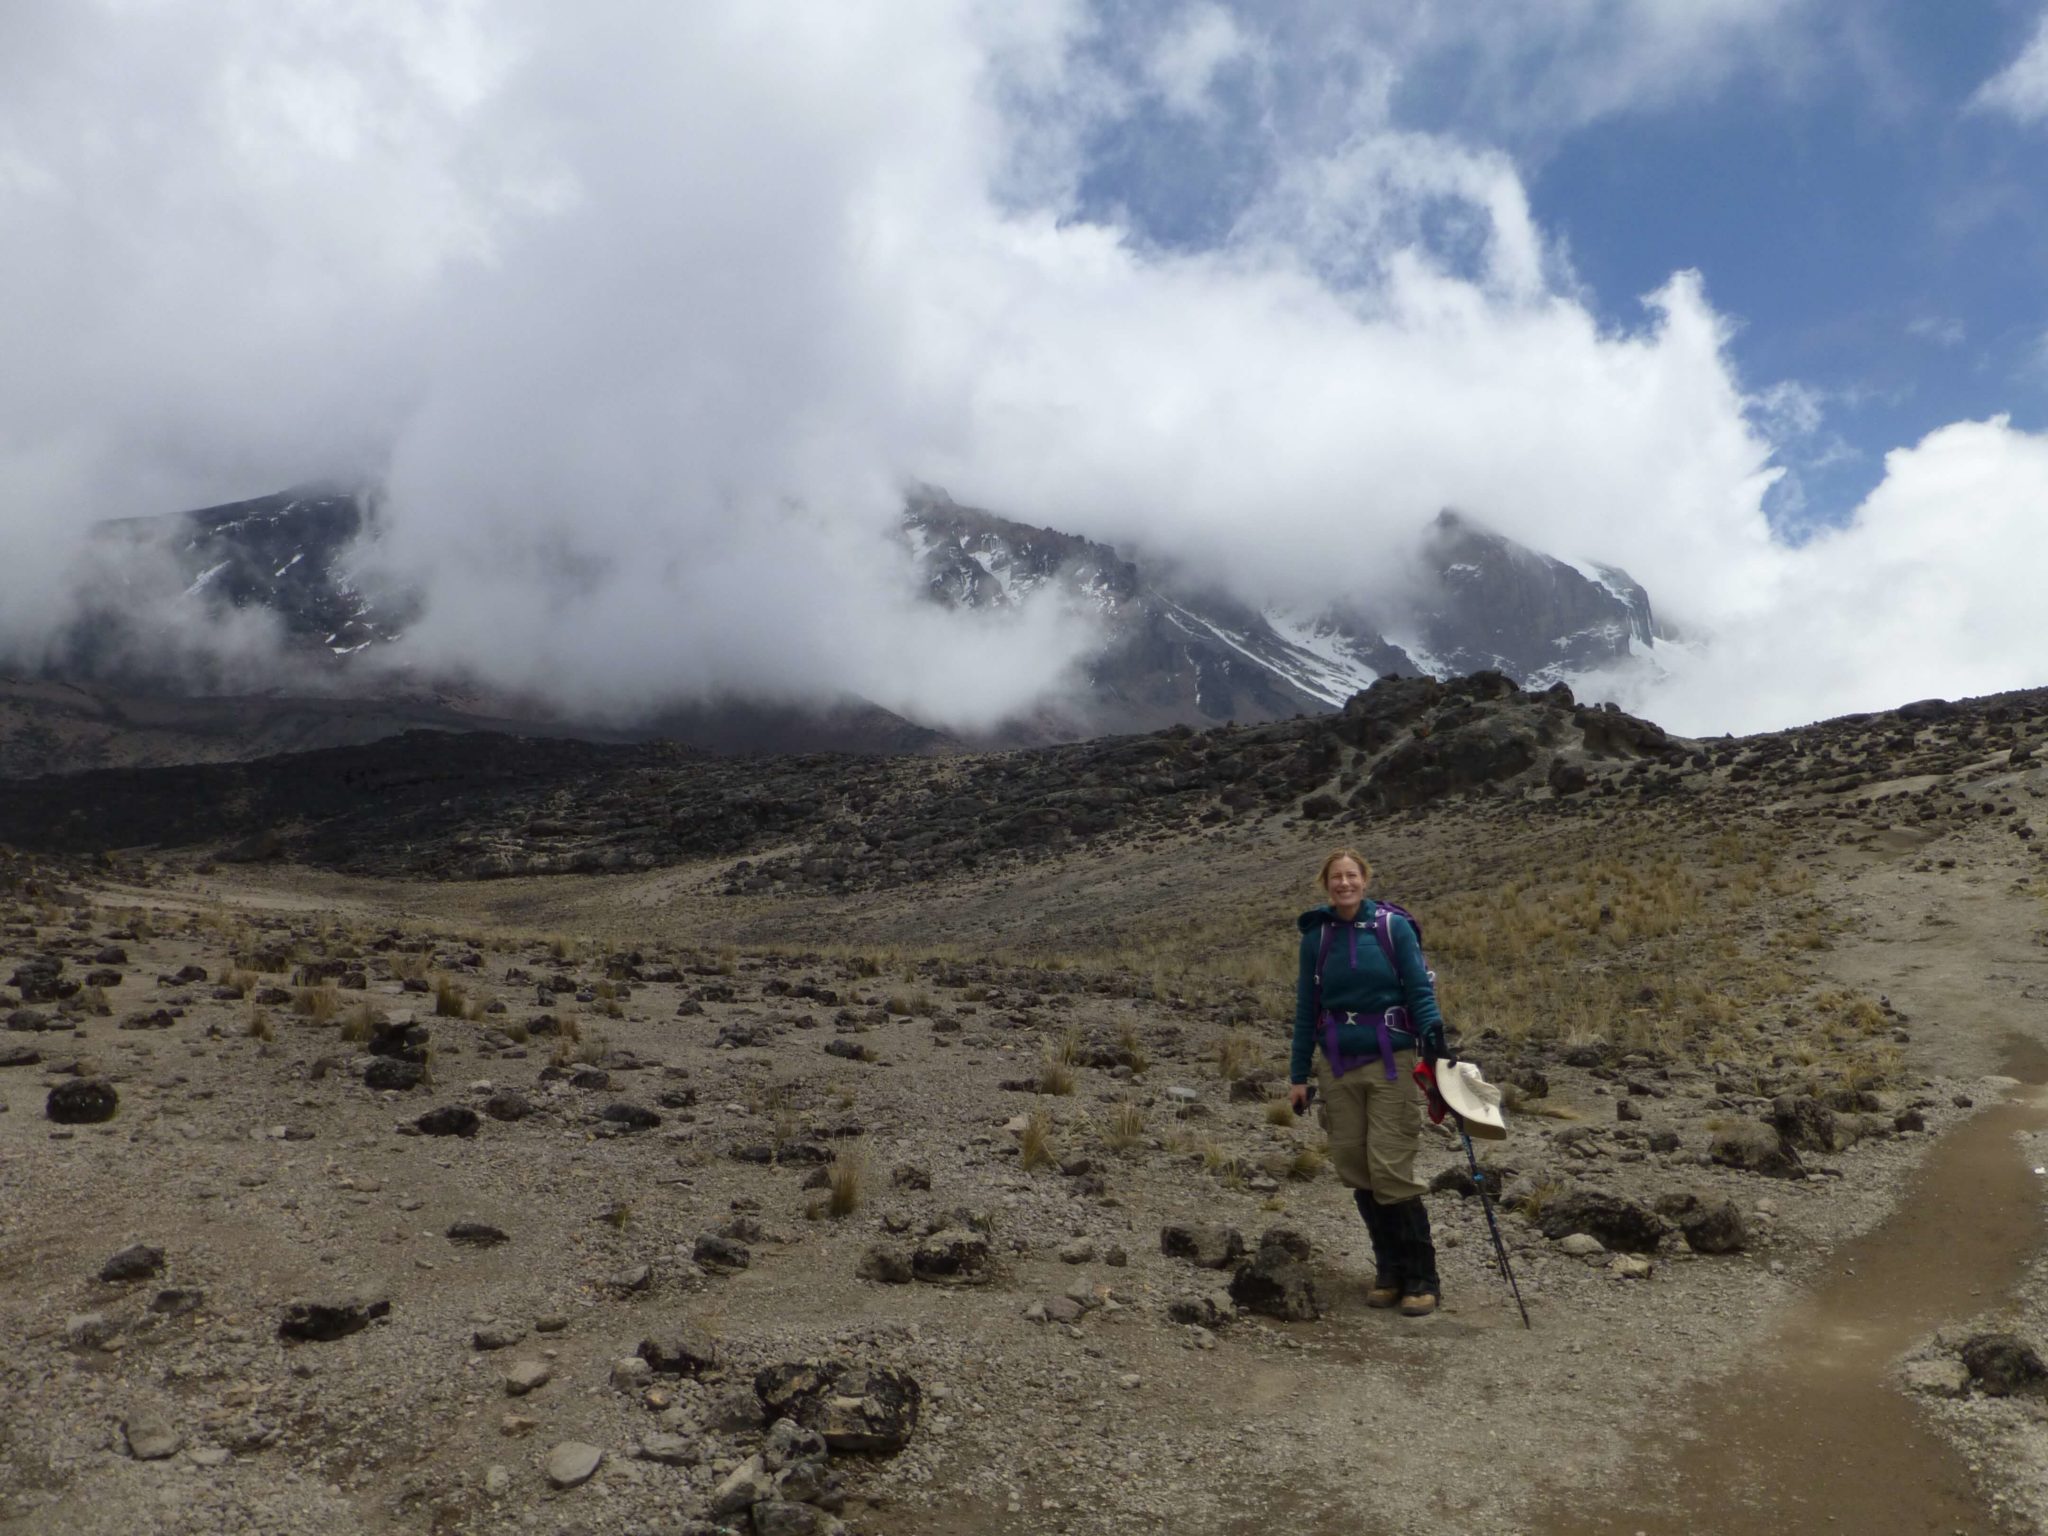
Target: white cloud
(646,316)
(1187,59)
(2020,90)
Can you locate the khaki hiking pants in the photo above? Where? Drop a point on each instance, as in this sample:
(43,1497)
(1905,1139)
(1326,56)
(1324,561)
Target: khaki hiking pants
(1374,1126)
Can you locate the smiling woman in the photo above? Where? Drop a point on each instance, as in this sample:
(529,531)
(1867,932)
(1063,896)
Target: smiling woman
(1370,1009)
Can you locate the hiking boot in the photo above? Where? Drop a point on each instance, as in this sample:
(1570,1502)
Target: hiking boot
(1386,1278)
(1408,1222)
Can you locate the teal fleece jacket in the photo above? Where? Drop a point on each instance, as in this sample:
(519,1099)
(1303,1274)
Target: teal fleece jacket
(1357,979)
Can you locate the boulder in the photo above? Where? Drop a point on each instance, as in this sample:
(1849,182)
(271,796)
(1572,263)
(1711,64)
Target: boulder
(720,1255)
(82,1101)
(2004,1365)
(572,1464)
(1273,1283)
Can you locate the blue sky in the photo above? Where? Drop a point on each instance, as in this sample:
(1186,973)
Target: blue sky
(1872,237)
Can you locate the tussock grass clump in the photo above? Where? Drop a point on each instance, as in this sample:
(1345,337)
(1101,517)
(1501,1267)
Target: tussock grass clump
(450,1001)
(1130,1046)
(1237,1053)
(357,1023)
(1306,1164)
(846,1182)
(1279,1112)
(1126,1128)
(517,1032)
(318,1004)
(259,1026)
(1055,1076)
(1034,1143)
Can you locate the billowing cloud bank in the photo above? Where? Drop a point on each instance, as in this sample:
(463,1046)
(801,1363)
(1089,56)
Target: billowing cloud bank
(645,314)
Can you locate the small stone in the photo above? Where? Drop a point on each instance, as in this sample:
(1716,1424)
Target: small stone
(477,1234)
(631,1374)
(742,1488)
(554,1322)
(1580,1245)
(497,1334)
(2004,1365)
(209,1455)
(1206,1247)
(685,1350)
(1628,1266)
(1130,1381)
(151,1436)
(497,1481)
(524,1376)
(1080,1251)
(720,1255)
(571,1464)
(668,1450)
(1943,1376)
(1064,1309)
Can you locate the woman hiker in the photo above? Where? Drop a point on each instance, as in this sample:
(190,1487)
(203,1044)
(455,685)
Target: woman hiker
(1365,998)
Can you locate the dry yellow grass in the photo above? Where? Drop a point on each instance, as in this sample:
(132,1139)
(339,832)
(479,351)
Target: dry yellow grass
(1034,1143)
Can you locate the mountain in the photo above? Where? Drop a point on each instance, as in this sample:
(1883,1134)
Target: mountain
(1182,652)
(131,690)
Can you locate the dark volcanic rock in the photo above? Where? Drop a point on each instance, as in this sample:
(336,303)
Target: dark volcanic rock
(389,1073)
(720,1255)
(632,1117)
(137,1262)
(952,1256)
(1755,1148)
(1711,1223)
(477,1234)
(1805,1123)
(1619,1223)
(82,1101)
(40,980)
(685,1350)
(854,1407)
(1204,1247)
(448,1120)
(1273,1283)
(507,1105)
(322,1322)
(19,1055)
(2004,1365)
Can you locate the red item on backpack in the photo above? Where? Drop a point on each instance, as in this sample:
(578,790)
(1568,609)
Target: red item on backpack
(1425,1078)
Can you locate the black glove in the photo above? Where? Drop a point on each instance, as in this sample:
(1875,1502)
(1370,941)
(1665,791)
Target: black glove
(1440,1041)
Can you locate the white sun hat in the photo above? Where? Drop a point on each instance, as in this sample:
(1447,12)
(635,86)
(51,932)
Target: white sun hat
(1472,1099)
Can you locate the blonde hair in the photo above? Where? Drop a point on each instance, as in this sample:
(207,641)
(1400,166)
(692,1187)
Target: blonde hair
(1323,874)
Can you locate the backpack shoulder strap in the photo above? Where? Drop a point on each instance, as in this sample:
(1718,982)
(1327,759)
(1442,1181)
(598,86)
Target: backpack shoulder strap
(1323,959)
(1383,929)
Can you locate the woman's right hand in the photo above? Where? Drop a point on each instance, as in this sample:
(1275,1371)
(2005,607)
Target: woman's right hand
(1297,1097)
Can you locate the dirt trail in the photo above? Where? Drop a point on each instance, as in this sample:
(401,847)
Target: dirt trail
(1816,1436)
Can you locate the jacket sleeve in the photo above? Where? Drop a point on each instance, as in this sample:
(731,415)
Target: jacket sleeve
(1303,1054)
(1418,992)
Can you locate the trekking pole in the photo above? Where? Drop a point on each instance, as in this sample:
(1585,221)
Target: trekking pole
(1500,1248)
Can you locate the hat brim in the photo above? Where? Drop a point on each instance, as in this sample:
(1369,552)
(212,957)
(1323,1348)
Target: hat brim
(1472,1099)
